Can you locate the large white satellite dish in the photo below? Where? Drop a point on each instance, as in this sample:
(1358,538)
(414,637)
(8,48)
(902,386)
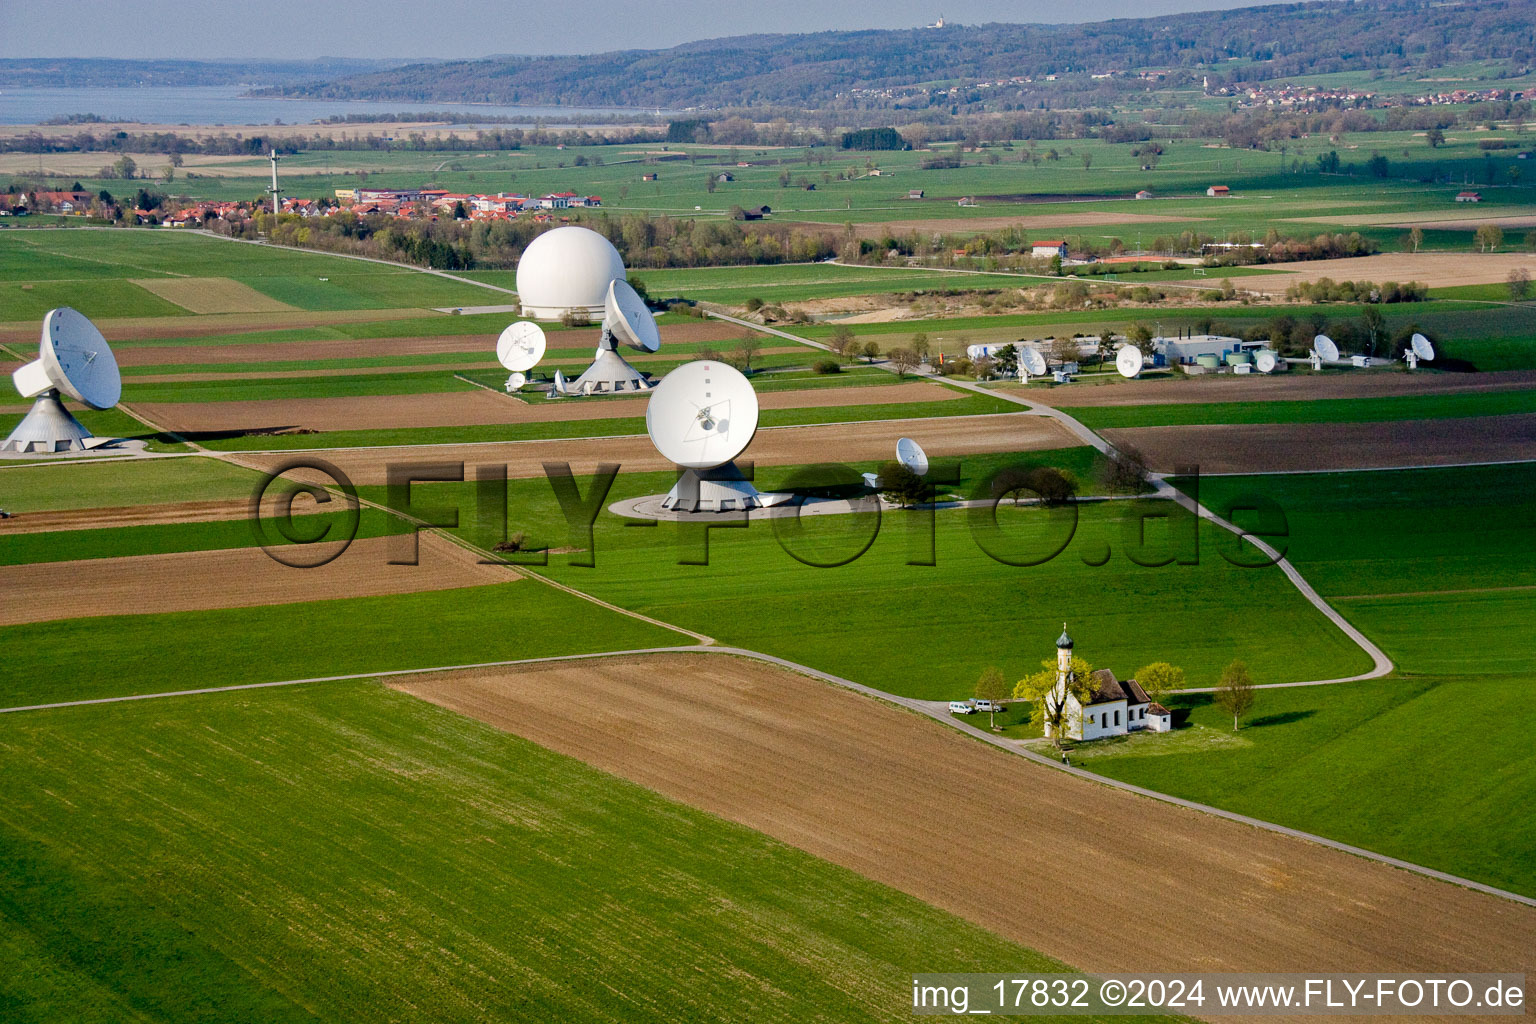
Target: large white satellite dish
(701,416)
(1265,361)
(1033,361)
(629,319)
(625,319)
(75,360)
(521,346)
(1325,348)
(910,454)
(1422,348)
(1129,361)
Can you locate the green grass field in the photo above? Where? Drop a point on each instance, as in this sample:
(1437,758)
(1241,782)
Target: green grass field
(1430,764)
(1326,410)
(347,853)
(43,488)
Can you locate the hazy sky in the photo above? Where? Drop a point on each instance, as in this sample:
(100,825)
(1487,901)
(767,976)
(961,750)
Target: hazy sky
(475,28)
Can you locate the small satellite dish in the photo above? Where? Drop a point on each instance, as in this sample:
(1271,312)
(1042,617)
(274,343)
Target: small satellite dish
(1265,361)
(1032,361)
(515,381)
(910,454)
(1129,361)
(629,319)
(1422,348)
(521,346)
(702,415)
(559,382)
(73,360)
(1325,348)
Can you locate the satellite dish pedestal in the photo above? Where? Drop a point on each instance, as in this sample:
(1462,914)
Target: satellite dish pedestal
(609,372)
(718,489)
(50,427)
(74,359)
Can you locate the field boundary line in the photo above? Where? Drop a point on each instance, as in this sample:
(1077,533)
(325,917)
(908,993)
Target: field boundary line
(936,710)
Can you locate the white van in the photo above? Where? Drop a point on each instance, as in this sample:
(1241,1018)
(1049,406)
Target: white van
(960,707)
(989,705)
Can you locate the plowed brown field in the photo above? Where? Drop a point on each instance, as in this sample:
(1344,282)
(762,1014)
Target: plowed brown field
(777,446)
(478,406)
(1100,878)
(1278,387)
(239,578)
(1274,447)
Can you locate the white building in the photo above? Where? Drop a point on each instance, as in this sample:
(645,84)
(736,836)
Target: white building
(1114,708)
(567,270)
(1049,248)
(1187,350)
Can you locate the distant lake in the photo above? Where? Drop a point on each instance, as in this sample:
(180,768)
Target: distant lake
(223,104)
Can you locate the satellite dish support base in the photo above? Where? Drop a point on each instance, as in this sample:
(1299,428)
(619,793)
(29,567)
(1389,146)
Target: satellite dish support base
(720,489)
(609,373)
(50,427)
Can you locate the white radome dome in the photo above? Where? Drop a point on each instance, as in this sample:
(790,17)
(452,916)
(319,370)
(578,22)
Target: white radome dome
(567,270)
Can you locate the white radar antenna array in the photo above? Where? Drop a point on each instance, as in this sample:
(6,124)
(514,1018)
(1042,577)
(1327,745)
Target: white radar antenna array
(1419,348)
(74,361)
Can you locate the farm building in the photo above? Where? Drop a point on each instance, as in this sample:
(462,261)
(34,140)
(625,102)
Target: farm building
(725,176)
(1218,191)
(649,176)
(1469,197)
(1053,247)
(1114,707)
(1143,194)
(914,193)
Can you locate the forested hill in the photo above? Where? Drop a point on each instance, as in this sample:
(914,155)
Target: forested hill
(872,68)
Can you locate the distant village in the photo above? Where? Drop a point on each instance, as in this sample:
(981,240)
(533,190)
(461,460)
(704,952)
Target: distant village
(406,203)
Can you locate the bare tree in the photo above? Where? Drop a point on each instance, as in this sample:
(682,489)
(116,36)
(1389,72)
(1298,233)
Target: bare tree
(748,346)
(841,339)
(1234,694)
(1519,282)
(902,360)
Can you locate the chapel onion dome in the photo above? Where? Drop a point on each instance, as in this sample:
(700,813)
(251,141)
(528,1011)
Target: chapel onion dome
(567,270)
(1064,641)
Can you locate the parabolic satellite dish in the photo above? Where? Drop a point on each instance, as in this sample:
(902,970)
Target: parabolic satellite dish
(1264,360)
(629,319)
(515,380)
(1032,361)
(910,454)
(625,319)
(1129,361)
(701,416)
(521,346)
(1325,348)
(75,360)
(1422,348)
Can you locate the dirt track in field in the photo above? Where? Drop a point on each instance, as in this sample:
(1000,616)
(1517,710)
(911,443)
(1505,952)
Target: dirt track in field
(237,578)
(127,515)
(1274,447)
(212,295)
(1029,853)
(776,446)
(1224,387)
(583,341)
(1400,220)
(476,407)
(1436,269)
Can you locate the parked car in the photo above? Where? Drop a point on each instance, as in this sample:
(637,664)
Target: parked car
(990,705)
(961,707)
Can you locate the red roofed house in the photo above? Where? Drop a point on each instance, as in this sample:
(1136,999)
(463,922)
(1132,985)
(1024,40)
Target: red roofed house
(1218,191)
(1469,197)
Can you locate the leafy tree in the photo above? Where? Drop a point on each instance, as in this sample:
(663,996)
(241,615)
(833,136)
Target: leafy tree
(1125,470)
(871,350)
(1140,335)
(1064,350)
(1160,679)
(1006,362)
(920,345)
(1048,699)
(1519,282)
(982,368)
(900,485)
(1489,237)
(125,167)
(992,686)
(1375,325)
(1435,137)
(1106,345)
(1234,694)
